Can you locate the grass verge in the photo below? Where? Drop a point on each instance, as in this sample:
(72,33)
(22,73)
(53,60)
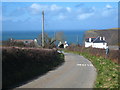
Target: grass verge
(107,71)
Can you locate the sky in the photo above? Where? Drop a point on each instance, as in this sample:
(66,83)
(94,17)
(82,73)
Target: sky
(27,16)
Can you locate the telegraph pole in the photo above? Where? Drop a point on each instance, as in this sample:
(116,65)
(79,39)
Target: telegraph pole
(77,39)
(54,35)
(42,28)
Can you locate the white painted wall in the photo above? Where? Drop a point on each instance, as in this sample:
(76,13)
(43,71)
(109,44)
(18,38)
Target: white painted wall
(88,44)
(66,45)
(96,45)
(99,45)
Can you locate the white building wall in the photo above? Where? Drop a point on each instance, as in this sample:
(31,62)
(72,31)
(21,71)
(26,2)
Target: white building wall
(96,45)
(99,45)
(88,44)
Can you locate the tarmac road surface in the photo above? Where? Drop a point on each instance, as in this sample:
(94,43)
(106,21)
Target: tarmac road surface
(76,72)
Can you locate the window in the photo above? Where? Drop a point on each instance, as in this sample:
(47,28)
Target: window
(26,41)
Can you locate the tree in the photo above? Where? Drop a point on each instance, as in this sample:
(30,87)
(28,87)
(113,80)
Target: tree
(48,42)
(60,36)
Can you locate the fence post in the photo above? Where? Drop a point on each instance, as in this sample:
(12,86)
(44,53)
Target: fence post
(107,52)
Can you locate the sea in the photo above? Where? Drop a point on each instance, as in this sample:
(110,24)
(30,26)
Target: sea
(72,37)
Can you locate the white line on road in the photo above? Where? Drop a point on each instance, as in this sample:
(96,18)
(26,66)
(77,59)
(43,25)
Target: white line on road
(84,65)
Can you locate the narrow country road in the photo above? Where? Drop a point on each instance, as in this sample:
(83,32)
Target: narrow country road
(76,72)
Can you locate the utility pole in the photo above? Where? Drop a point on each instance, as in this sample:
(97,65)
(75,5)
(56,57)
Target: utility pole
(77,39)
(54,35)
(42,28)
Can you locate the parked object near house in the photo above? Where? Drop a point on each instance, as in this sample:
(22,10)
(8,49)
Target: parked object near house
(114,47)
(96,42)
(107,50)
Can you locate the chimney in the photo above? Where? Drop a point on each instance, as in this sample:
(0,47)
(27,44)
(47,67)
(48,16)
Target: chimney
(90,40)
(103,38)
(100,38)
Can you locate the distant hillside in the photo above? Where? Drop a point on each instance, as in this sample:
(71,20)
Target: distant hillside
(111,35)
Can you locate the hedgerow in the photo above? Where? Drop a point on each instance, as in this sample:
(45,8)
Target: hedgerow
(22,64)
(113,54)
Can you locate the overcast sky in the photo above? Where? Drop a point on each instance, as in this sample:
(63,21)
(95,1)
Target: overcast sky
(26,16)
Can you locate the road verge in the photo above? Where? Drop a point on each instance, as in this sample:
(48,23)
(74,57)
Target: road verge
(107,71)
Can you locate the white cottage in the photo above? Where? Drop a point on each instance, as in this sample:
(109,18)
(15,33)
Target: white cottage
(63,45)
(96,42)
(25,41)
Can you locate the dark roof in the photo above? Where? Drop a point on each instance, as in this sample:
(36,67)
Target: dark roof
(95,40)
(99,41)
(90,37)
(24,40)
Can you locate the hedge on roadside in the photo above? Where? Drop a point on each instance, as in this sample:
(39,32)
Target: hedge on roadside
(22,64)
(113,54)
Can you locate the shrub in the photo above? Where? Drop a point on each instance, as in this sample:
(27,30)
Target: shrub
(22,64)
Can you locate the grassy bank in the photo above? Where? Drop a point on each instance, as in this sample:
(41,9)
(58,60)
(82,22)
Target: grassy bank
(22,64)
(107,71)
(113,55)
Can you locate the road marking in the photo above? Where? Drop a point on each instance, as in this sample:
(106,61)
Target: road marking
(78,64)
(89,65)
